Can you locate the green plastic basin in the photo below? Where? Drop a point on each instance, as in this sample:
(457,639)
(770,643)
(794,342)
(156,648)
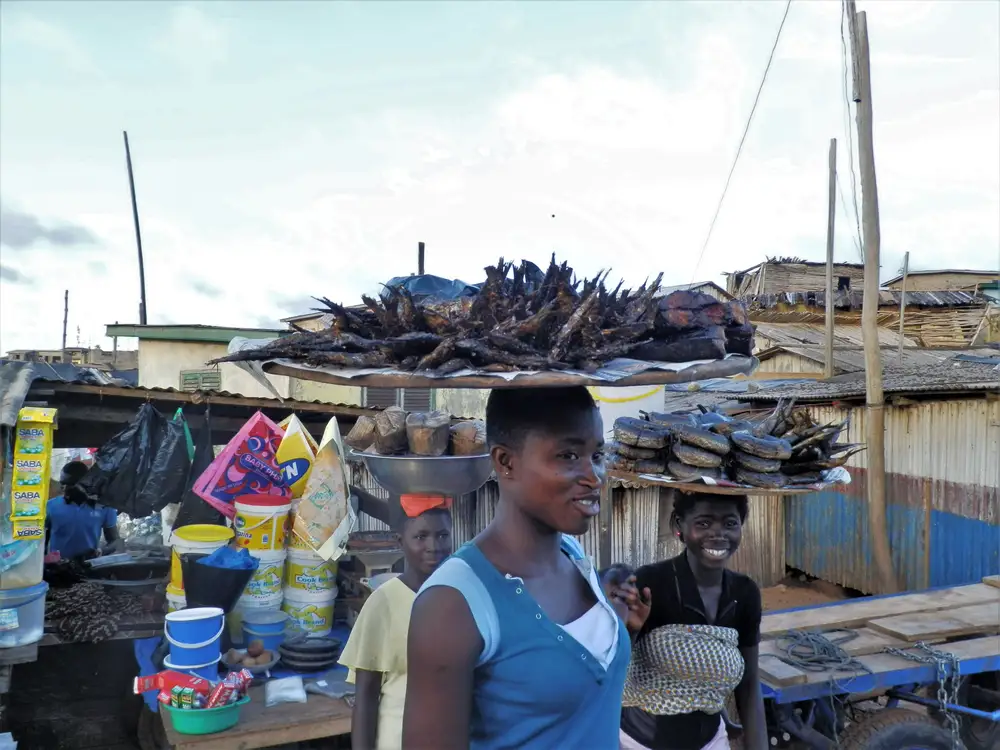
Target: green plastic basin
(206,720)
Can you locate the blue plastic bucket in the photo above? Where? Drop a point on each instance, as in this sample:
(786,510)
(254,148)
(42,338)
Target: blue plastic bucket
(267,626)
(195,636)
(209,671)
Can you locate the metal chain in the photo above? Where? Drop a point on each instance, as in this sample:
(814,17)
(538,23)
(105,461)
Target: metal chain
(947,684)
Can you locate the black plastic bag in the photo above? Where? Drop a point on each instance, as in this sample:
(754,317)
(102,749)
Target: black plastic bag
(193,509)
(122,465)
(168,472)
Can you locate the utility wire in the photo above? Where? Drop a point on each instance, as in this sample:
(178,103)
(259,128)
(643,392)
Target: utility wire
(739,149)
(849,128)
(847,213)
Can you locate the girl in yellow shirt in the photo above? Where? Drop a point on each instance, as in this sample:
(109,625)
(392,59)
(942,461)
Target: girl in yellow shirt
(376,650)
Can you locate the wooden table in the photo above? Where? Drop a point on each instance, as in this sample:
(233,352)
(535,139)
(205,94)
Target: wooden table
(266,727)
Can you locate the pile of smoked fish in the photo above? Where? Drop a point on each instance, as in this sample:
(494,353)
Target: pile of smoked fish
(516,324)
(787,448)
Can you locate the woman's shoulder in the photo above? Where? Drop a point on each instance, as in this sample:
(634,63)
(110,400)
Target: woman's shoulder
(740,583)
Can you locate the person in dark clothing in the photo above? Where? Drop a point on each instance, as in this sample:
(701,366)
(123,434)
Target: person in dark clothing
(75,521)
(700,641)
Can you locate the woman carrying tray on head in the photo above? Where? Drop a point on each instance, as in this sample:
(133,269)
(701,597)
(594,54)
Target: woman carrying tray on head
(513,643)
(376,651)
(699,643)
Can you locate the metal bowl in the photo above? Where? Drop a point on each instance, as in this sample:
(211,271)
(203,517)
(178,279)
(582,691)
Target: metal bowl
(451,476)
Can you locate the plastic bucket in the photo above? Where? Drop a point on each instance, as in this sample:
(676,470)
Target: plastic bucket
(208,586)
(308,572)
(208,671)
(312,613)
(202,538)
(206,720)
(175,602)
(247,605)
(267,579)
(194,636)
(22,615)
(267,626)
(261,522)
(294,541)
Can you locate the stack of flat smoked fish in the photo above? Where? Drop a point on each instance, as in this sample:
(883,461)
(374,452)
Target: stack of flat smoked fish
(395,432)
(784,449)
(513,325)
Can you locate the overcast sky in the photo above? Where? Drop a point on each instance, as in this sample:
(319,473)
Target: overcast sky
(295,149)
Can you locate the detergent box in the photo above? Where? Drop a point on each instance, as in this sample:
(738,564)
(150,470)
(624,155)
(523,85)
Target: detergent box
(30,478)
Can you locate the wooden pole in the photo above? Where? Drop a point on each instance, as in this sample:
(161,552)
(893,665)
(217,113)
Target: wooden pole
(420,258)
(831,212)
(138,234)
(875,403)
(65,321)
(902,303)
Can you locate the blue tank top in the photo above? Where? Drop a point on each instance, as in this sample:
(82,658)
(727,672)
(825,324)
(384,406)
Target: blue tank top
(536,687)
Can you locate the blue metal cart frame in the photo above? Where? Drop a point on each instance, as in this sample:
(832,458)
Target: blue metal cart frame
(808,712)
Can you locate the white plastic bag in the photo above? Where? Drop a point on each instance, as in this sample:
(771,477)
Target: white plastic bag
(285,690)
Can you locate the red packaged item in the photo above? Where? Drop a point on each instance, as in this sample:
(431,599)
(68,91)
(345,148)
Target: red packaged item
(164,697)
(169,679)
(221,694)
(241,679)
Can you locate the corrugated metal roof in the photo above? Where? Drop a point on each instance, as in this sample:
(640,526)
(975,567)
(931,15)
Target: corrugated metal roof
(952,376)
(665,290)
(852,299)
(16,379)
(848,360)
(963,271)
(814,334)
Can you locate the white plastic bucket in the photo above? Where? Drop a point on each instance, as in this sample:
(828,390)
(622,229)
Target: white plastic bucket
(268,577)
(312,613)
(309,573)
(175,602)
(261,526)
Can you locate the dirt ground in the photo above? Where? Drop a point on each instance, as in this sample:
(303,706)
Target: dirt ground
(793,593)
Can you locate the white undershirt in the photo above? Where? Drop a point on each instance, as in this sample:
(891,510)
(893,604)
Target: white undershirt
(595,630)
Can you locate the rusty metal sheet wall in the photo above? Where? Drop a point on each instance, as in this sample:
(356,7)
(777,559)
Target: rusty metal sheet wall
(943,493)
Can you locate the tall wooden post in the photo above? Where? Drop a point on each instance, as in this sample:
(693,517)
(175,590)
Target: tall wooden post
(875,406)
(831,213)
(420,258)
(902,303)
(138,234)
(65,322)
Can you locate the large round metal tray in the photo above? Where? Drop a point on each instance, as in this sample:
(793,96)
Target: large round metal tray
(451,476)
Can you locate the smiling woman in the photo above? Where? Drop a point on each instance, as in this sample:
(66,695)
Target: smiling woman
(535,655)
(699,643)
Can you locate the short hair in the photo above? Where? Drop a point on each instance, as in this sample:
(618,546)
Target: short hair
(684,503)
(73,471)
(512,413)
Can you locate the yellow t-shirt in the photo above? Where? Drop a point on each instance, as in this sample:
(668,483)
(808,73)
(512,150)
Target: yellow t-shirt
(378,644)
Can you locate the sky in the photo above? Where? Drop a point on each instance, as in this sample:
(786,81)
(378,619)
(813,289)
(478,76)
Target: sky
(283,150)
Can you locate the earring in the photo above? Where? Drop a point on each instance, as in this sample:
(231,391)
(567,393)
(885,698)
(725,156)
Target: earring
(678,534)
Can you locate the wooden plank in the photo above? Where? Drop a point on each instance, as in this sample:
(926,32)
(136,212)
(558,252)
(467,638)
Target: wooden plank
(775,672)
(953,623)
(866,641)
(266,727)
(975,648)
(855,613)
(992,581)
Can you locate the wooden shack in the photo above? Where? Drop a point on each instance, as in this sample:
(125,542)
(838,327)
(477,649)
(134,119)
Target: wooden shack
(776,275)
(943,280)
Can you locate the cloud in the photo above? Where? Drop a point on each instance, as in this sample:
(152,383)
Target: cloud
(52,39)
(194,39)
(13,276)
(20,230)
(206,289)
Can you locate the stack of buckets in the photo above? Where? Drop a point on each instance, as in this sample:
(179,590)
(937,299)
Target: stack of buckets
(202,539)
(310,588)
